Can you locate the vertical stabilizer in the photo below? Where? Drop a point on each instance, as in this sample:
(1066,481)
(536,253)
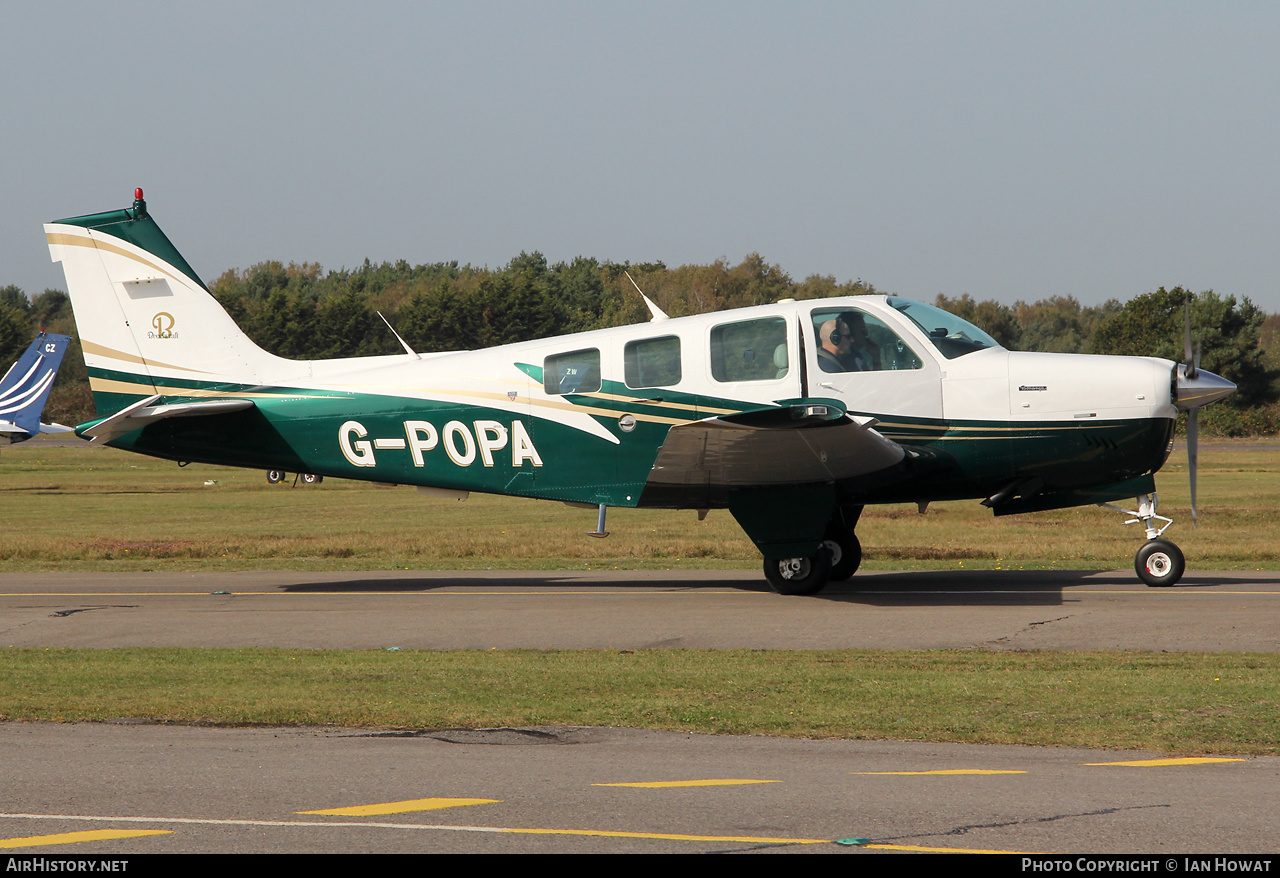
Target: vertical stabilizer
(147,322)
(24,389)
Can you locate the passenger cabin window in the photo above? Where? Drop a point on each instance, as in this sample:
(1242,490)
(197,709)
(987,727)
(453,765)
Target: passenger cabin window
(654,362)
(574,372)
(851,340)
(753,350)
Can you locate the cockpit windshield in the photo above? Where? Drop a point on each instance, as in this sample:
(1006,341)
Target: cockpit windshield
(952,336)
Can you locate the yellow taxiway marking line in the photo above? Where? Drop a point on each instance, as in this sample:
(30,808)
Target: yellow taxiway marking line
(925,850)
(1155,763)
(669,836)
(35,841)
(402,807)
(599,833)
(605,833)
(713,782)
(945,771)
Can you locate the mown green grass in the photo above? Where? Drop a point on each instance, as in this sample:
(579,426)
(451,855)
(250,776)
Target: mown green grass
(87,508)
(1178,703)
(80,508)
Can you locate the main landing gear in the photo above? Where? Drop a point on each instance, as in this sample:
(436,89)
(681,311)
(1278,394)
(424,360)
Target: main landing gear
(1159,563)
(276,476)
(799,576)
(837,560)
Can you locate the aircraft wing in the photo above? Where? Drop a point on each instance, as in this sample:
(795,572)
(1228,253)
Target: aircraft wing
(143,413)
(796,442)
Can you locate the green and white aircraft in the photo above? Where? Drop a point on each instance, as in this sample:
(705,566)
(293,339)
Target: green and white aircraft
(794,416)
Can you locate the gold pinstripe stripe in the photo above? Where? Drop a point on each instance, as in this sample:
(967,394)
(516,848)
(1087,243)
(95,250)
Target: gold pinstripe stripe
(87,240)
(90,347)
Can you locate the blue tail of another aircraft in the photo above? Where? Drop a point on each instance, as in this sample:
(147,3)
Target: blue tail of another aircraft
(24,389)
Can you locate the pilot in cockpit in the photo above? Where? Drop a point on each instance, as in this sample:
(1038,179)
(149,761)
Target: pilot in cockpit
(845,346)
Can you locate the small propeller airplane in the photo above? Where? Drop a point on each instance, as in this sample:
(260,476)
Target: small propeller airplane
(793,416)
(24,389)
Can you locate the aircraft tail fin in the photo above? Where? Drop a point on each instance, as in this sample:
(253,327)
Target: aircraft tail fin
(24,389)
(147,323)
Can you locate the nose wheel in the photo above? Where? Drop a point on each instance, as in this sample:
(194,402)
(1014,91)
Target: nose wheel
(1159,563)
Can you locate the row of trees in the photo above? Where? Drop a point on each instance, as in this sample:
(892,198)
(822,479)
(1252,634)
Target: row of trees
(303,311)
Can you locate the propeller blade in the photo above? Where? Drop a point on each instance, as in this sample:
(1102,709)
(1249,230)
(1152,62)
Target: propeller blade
(1193,457)
(1191,360)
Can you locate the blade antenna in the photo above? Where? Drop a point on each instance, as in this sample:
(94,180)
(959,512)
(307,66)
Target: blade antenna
(410,351)
(655,313)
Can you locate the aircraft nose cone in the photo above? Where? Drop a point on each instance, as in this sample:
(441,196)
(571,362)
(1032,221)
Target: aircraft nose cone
(1204,388)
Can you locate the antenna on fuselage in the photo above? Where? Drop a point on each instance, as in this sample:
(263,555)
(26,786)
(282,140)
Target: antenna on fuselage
(410,351)
(655,313)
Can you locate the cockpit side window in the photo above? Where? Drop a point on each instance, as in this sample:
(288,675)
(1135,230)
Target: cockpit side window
(951,335)
(750,350)
(572,372)
(851,340)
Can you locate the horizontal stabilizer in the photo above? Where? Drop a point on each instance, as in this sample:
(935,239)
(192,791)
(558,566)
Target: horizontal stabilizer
(142,413)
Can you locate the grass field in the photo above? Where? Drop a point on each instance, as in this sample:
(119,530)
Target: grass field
(89,508)
(78,508)
(1182,703)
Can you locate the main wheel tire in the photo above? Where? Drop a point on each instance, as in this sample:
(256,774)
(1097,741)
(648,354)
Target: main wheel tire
(311,479)
(275,476)
(798,576)
(845,551)
(1159,563)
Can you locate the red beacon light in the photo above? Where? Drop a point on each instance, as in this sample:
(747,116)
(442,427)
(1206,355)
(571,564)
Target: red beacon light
(137,194)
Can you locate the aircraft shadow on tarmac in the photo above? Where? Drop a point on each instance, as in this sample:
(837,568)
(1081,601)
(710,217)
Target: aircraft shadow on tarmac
(898,588)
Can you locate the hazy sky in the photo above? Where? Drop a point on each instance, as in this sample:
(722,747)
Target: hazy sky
(1010,150)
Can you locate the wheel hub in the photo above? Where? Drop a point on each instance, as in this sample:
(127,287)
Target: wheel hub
(794,568)
(1159,564)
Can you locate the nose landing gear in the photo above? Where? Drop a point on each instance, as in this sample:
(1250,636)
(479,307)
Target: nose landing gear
(1159,563)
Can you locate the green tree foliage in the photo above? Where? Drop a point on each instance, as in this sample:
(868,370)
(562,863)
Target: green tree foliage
(15,333)
(1060,324)
(13,297)
(1269,341)
(304,312)
(51,310)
